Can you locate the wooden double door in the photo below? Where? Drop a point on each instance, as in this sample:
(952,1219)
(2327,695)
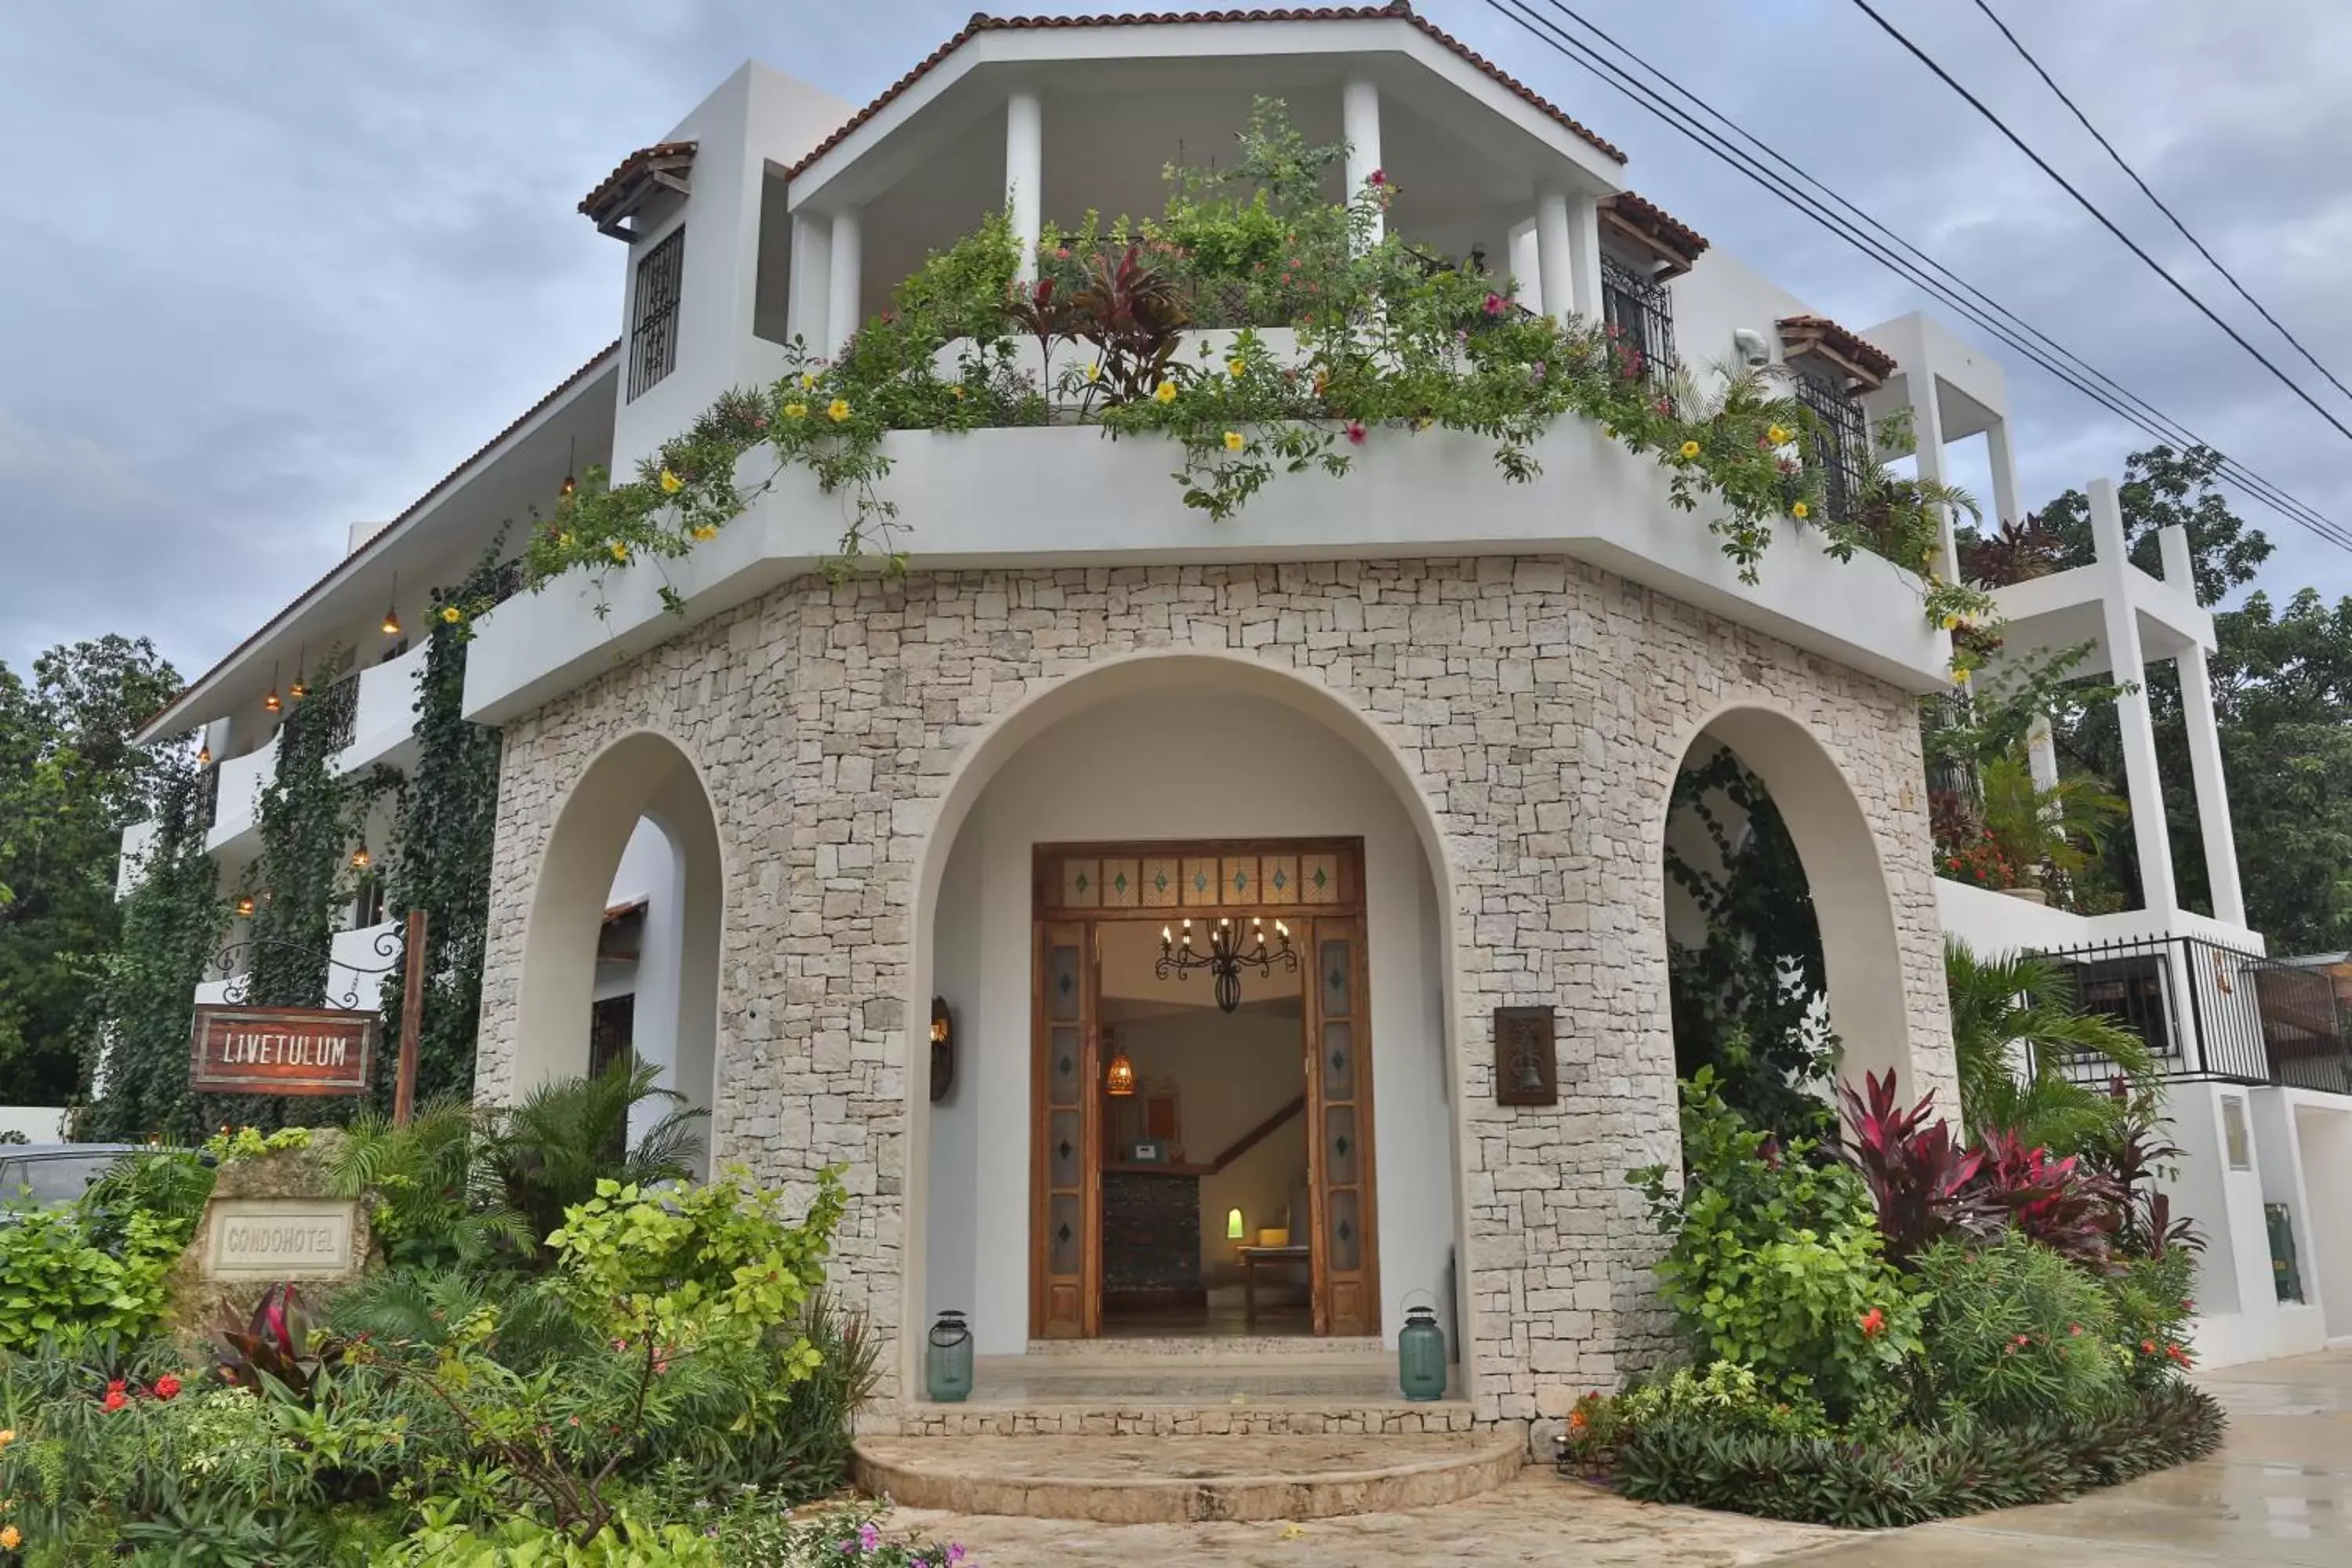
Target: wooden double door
(1316,888)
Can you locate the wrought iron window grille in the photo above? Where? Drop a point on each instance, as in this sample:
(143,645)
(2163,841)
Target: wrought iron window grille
(1841,441)
(1642,313)
(653,320)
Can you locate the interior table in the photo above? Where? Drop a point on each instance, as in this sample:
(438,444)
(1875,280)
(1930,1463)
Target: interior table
(1252,1256)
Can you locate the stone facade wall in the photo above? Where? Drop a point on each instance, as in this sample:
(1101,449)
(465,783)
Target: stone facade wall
(1542,708)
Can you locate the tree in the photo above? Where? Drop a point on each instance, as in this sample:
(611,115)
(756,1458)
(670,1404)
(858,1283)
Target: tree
(72,778)
(2162,487)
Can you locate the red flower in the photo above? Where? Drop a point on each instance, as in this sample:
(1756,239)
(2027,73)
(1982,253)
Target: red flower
(114,1399)
(166,1387)
(117,1386)
(2076,1329)
(1356,432)
(1377,177)
(2148,1347)
(1873,1323)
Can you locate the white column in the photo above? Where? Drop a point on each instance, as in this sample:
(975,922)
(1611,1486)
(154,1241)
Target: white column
(1359,126)
(1927,449)
(1584,255)
(809,289)
(2041,752)
(2141,782)
(1523,266)
(843,313)
(2213,824)
(2004,474)
(1555,274)
(1024,176)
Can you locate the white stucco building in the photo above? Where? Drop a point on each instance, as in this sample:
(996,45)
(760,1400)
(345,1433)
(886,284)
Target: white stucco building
(1424,720)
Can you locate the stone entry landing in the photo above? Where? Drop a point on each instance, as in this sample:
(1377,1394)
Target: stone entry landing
(1179,1480)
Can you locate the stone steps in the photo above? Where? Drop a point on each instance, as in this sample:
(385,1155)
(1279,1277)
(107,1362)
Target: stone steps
(1105,1415)
(1145,1477)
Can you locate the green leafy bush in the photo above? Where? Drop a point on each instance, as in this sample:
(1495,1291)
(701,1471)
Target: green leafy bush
(1726,1395)
(1912,1475)
(2018,1329)
(1775,1264)
(56,1281)
(2150,1301)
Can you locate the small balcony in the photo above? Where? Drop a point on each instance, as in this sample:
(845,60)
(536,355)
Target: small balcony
(384,721)
(242,779)
(2210,1013)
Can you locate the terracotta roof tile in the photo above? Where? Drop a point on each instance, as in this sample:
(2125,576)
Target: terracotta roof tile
(1658,223)
(1844,344)
(1397,9)
(596,201)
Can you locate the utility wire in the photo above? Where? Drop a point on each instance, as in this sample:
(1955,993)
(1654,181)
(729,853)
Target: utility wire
(2105,221)
(1895,253)
(2214,261)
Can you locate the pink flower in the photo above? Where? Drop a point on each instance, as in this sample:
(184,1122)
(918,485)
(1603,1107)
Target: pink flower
(1378,177)
(868,1537)
(1356,432)
(1494,304)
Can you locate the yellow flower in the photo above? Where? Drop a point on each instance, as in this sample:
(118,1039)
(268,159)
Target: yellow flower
(1801,511)
(1690,448)
(452,614)
(956,393)
(837,410)
(1094,371)
(1232,441)
(705,530)
(796,410)
(620,551)
(808,382)
(10,1537)
(670,483)
(1776,435)
(1951,622)
(1609,431)
(1165,391)
(565,539)
(1237,368)
(8,1436)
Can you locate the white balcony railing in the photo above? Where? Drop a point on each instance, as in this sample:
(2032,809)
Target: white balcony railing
(241,781)
(386,714)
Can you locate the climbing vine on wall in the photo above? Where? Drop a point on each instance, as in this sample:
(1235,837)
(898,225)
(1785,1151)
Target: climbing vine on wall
(137,1063)
(1746,997)
(442,843)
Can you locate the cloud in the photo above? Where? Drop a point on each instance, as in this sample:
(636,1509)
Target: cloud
(310,254)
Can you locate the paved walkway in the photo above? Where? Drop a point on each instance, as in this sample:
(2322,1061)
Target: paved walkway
(2278,1493)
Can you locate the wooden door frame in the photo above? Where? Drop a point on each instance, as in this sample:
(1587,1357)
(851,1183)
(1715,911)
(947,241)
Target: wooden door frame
(1057,899)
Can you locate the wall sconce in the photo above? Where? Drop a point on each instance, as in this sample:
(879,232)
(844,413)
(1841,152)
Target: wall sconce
(361,859)
(943,1051)
(245,907)
(1234,1229)
(204,755)
(1526,1065)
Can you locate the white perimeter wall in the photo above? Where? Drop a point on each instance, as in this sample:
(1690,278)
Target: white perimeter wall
(1172,766)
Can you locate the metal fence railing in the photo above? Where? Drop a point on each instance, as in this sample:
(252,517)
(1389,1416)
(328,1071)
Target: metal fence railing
(2209,1012)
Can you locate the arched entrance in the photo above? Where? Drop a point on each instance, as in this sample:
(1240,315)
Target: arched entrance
(1858,960)
(1185,761)
(637,824)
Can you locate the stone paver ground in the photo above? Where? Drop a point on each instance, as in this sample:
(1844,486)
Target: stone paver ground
(2278,1493)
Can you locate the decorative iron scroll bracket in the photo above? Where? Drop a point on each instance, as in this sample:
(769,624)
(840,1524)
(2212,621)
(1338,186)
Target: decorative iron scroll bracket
(240,982)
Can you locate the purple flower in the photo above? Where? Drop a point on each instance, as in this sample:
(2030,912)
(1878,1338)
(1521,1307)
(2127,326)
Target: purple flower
(1539,370)
(868,1537)
(955,1554)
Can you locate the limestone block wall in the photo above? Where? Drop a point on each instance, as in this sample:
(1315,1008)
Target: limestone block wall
(1541,707)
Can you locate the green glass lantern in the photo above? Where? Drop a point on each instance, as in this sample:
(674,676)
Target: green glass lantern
(1421,1355)
(947,1360)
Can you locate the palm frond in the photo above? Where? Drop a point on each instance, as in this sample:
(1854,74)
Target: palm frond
(2022,1047)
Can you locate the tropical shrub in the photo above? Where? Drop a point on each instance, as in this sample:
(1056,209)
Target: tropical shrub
(762,1536)
(2019,1041)
(1920,1474)
(1726,1395)
(2017,1329)
(57,1282)
(2152,1305)
(2061,1203)
(1922,1179)
(1775,1262)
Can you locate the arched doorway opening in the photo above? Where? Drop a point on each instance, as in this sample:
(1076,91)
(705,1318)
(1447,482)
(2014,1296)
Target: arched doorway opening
(1126,800)
(622,949)
(1785,952)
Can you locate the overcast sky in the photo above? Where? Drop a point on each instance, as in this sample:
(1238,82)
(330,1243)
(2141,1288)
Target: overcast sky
(274,266)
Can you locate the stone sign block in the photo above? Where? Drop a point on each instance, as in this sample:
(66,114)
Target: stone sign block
(282,1238)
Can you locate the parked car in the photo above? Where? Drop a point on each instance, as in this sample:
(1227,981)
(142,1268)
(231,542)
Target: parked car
(38,1174)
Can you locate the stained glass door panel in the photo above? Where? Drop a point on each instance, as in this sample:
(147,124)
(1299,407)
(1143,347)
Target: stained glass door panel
(1064,1215)
(1339,1100)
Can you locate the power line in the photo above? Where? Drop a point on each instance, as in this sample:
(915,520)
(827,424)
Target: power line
(2213,260)
(2104,222)
(1891,252)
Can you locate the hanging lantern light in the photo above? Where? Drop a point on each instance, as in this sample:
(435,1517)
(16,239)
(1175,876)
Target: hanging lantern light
(390,615)
(570,487)
(270,702)
(1118,1077)
(298,690)
(361,859)
(245,907)
(204,755)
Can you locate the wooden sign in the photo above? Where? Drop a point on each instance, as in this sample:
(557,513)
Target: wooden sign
(1526,1068)
(282,1050)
